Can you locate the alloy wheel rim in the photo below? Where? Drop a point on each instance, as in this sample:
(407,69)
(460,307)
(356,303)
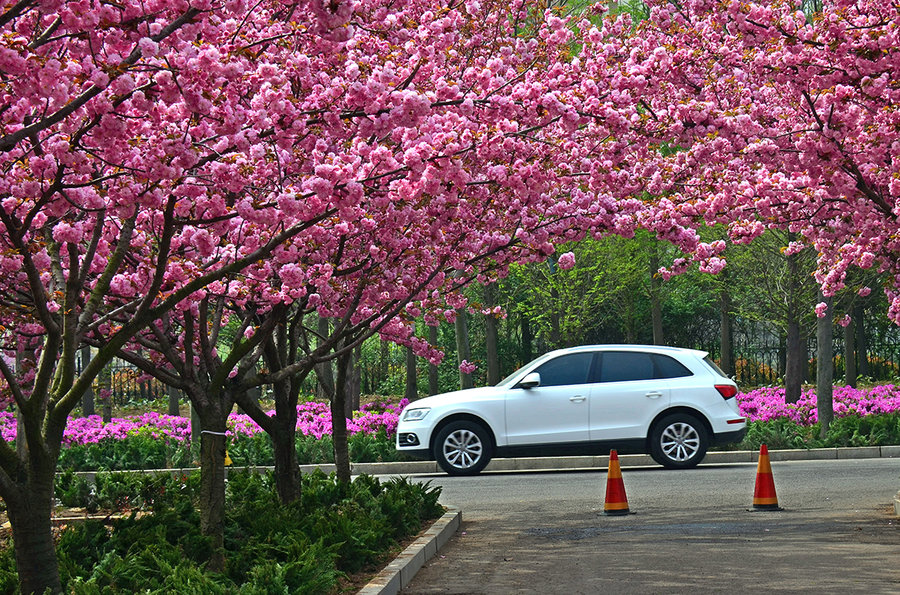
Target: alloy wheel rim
(680,441)
(463,449)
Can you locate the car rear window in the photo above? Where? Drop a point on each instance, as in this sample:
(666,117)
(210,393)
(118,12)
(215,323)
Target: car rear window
(622,366)
(667,367)
(712,364)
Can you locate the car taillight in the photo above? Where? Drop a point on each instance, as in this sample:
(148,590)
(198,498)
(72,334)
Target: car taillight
(726,390)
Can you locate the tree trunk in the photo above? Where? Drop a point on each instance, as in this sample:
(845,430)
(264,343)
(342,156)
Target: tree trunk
(29,514)
(212,482)
(726,345)
(354,382)
(850,374)
(324,373)
(463,351)
(384,363)
(104,383)
(196,426)
(862,351)
(825,368)
(555,332)
(339,433)
(492,336)
(87,399)
(795,361)
(433,387)
(655,306)
(412,386)
(527,340)
(287,470)
(174,395)
(628,319)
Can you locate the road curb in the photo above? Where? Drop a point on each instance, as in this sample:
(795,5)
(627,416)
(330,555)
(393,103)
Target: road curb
(602,461)
(563,463)
(398,574)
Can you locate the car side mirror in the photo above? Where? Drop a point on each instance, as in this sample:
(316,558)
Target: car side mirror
(530,381)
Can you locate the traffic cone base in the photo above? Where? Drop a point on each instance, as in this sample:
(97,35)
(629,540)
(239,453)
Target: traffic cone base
(616,502)
(764,497)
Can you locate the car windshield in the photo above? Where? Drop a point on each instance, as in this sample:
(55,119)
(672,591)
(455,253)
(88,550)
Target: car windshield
(518,374)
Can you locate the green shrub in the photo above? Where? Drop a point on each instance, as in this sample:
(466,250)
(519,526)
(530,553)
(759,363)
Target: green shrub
(138,451)
(304,547)
(852,430)
(778,434)
(9,580)
(75,491)
(869,430)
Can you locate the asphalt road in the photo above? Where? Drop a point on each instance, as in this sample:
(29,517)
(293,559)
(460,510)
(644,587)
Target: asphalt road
(691,531)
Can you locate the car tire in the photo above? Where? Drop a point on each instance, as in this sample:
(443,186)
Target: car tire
(678,441)
(462,448)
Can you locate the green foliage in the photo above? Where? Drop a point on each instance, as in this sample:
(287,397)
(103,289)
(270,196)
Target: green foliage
(9,580)
(367,448)
(75,491)
(142,452)
(869,430)
(137,451)
(777,434)
(851,430)
(305,547)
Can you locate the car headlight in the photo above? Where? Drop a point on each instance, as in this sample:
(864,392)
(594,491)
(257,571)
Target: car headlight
(416,414)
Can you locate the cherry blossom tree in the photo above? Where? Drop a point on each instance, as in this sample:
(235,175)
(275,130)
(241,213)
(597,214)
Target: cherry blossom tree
(444,144)
(753,115)
(134,144)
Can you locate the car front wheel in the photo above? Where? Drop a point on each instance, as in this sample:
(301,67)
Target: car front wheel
(678,441)
(462,448)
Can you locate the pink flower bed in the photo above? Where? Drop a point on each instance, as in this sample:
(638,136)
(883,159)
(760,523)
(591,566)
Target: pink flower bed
(767,403)
(313,419)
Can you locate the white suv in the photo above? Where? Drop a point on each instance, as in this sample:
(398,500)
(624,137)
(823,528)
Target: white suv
(669,402)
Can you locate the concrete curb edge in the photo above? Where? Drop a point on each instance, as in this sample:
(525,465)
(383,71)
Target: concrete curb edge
(398,574)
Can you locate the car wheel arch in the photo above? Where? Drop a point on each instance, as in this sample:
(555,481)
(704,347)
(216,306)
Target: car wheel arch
(462,417)
(683,410)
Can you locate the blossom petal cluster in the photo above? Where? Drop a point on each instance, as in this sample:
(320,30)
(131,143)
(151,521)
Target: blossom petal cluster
(755,115)
(768,403)
(313,419)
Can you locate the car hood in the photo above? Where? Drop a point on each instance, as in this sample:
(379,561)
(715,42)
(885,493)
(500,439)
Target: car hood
(460,396)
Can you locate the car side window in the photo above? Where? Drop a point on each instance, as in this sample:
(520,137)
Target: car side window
(566,369)
(622,366)
(667,367)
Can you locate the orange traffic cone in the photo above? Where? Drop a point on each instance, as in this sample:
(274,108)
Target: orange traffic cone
(764,497)
(616,503)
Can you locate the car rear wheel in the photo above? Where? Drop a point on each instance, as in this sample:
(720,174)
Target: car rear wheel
(462,448)
(678,441)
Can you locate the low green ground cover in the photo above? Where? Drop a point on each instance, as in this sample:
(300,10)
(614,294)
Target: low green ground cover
(308,547)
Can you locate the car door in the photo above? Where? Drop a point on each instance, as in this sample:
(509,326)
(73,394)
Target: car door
(627,397)
(556,411)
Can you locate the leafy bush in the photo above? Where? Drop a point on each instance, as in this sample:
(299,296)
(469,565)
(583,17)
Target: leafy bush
(305,547)
(140,450)
(851,430)
(869,430)
(136,451)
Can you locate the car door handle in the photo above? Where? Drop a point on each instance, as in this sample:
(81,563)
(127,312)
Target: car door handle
(653,395)
(577,398)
